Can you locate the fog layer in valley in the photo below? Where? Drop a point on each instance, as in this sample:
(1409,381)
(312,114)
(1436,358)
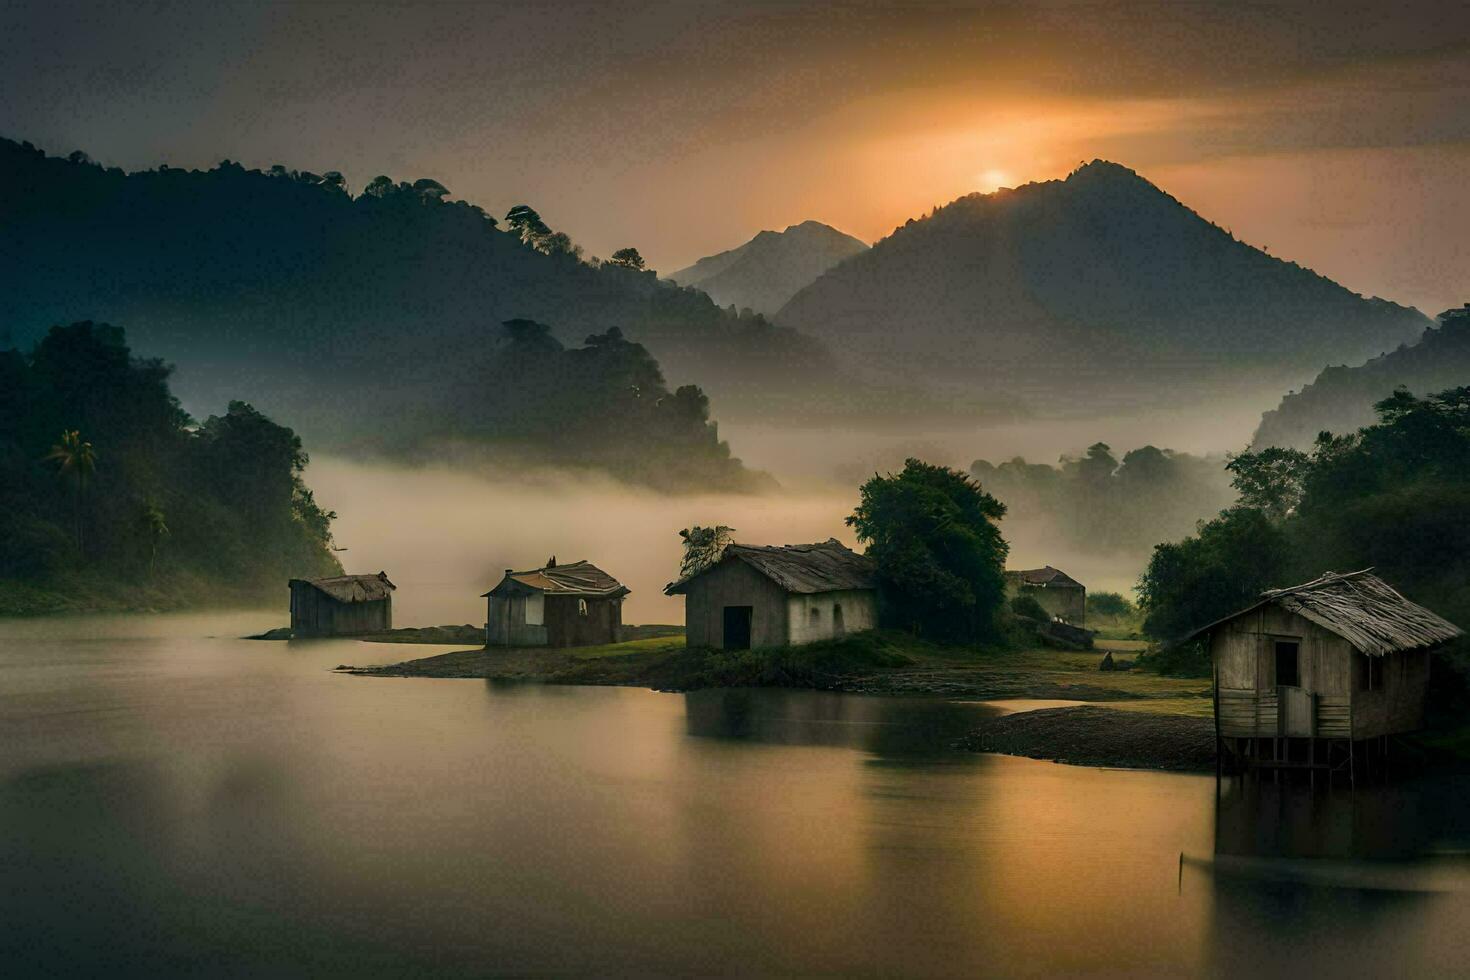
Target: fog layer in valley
(446,536)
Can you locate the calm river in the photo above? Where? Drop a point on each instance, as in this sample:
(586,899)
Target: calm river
(177,801)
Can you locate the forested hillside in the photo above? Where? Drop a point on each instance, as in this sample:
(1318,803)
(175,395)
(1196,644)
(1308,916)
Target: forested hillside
(352,314)
(111,496)
(1342,398)
(1099,286)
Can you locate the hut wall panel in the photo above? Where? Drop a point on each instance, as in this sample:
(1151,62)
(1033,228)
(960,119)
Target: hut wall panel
(1397,704)
(1237,713)
(1234,652)
(734,583)
(812,617)
(1333,715)
(567,627)
(505,623)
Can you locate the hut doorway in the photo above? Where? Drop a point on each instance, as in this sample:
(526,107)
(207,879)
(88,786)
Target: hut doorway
(737,627)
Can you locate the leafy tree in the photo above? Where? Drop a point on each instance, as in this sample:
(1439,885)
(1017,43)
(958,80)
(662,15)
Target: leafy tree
(1269,479)
(628,258)
(239,515)
(1109,605)
(940,556)
(430,190)
(1223,568)
(1026,606)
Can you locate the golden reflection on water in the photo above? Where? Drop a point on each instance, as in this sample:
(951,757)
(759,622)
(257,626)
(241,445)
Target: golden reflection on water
(180,804)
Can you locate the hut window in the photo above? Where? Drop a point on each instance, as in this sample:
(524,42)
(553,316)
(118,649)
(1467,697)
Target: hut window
(837,626)
(581,607)
(815,614)
(1288,673)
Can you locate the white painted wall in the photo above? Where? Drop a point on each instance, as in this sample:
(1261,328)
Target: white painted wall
(812,617)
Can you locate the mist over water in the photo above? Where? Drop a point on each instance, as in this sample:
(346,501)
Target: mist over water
(445,536)
(1210,425)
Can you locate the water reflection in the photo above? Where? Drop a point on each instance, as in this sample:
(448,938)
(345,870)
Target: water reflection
(1313,879)
(903,728)
(175,804)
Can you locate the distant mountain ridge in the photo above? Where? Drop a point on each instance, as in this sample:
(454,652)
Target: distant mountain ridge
(1098,285)
(1341,399)
(765,272)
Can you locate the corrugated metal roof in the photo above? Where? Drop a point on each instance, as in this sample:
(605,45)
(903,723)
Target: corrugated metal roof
(1362,609)
(578,578)
(828,566)
(352,588)
(1046,577)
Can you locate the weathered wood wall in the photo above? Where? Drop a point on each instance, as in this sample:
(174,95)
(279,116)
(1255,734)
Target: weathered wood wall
(566,626)
(314,613)
(505,622)
(734,583)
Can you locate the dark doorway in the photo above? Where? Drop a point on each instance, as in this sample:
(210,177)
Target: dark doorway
(1288,672)
(737,627)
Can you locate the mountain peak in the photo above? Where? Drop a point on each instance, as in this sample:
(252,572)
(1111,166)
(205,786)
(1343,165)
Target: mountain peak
(1105,170)
(769,269)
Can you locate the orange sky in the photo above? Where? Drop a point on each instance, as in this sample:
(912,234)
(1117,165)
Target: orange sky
(1336,134)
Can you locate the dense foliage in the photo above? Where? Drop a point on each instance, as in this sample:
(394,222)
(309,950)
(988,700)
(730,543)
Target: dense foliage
(107,485)
(603,405)
(940,556)
(1099,504)
(367,320)
(1394,496)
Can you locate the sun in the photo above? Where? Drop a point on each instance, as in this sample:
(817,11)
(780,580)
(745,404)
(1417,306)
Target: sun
(990,180)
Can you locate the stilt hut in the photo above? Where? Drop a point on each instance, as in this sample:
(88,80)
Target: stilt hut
(1307,675)
(341,605)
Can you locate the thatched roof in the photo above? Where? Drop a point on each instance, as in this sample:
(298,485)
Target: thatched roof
(1361,608)
(1044,577)
(352,588)
(804,569)
(578,578)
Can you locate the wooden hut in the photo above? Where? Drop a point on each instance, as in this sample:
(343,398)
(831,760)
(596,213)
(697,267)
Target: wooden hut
(571,605)
(1062,596)
(341,605)
(778,596)
(1308,673)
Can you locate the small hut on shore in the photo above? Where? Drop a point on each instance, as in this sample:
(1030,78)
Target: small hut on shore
(1331,663)
(341,605)
(1062,596)
(776,596)
(571,605)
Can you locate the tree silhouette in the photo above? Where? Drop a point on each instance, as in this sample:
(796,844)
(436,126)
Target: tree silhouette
(628,258)
(75,463)
(151,522)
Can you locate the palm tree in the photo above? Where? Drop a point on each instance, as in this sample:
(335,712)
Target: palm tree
(151,522)
(75,464)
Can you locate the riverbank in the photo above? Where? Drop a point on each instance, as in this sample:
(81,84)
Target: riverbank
(465,634)
(1134,718)
(1088,735)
